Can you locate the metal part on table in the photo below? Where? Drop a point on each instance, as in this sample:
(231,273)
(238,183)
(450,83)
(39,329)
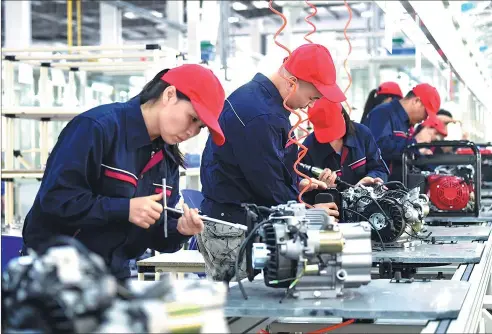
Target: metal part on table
(378,300)
(210,220)
(456,233)
(483,218)
(315,260)
(432,254)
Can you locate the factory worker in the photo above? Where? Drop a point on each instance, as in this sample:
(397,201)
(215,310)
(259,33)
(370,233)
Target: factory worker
(386,92)
(391,124)
(342,148)
(438,131)
(103,180)
(255,165)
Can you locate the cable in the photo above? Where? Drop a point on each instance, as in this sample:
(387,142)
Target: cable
(327,329)
(292,138)
(349,52)
(315,10)
(372,225)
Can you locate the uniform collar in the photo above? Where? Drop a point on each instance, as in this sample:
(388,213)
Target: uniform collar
(401,113)
(137,134)
(271,89)
(350,140)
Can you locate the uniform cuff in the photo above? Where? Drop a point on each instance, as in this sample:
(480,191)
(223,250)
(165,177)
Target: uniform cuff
(118,209)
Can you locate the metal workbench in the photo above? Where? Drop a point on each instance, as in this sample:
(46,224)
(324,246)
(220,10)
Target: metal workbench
(438,306)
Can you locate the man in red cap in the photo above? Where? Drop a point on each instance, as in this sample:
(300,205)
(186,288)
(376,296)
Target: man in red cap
(255,165)
(390,124)
(103,180)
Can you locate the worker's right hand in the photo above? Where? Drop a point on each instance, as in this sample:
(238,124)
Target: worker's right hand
(328,177)
(145,211)
(331,208)
(425,135)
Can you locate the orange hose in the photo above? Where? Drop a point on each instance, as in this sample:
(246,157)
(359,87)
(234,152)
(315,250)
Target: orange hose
(349,52)
(309,22)
(327,329)
(292,138)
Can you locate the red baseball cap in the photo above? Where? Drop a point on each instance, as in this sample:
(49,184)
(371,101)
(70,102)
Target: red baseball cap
(328,121)
(313,63)
(433,122)
(391,88)
(429,96)
(205,92)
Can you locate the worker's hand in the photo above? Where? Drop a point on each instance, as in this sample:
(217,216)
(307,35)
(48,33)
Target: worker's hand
(370,180)
(145,211)
(331,208)
(425,135)
(425,151)
(189,223)
(315,184)
(328,177)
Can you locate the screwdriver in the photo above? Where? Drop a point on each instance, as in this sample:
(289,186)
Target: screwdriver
(211,220)
(317,172)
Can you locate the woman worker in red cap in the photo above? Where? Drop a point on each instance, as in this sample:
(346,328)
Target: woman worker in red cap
(103,180)
(342,148)
(386,92)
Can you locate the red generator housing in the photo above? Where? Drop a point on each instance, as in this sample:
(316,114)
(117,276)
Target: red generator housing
(448,192)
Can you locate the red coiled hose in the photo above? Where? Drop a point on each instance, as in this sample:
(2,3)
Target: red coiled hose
(292,138)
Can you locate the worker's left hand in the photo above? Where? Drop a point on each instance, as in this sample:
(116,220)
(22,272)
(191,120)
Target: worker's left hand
(316,184)
(370,180)
(189,223)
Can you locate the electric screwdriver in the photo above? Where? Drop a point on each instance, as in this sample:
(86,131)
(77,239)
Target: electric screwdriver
(317,172)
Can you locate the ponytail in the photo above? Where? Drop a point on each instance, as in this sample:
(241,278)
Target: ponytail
(373,100)
(349,125)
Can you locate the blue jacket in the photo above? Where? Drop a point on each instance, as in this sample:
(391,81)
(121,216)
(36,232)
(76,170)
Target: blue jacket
(390,126)
(94,170)
(255,165)
(360,157)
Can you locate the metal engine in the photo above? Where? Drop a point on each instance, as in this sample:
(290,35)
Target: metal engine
(391,212)
(451,188)
(67,289)
(305,251)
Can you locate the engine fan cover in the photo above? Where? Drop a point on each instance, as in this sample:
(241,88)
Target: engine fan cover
(450,193)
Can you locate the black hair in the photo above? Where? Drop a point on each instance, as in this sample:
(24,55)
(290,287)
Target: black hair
(151,92)
(373,100)
(445,113)
(410,94)
(349,125)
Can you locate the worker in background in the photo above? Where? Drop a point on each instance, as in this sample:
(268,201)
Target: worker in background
(103,180)
(386,92)
(341,146)
(390,124)
(256,163)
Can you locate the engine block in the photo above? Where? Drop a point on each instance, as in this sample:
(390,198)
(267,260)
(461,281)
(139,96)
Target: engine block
(306,251)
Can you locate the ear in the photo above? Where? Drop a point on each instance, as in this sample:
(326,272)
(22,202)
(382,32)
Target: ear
(169,95)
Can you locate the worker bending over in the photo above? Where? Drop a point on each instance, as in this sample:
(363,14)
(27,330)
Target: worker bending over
(103,180)
(386,92)
(342,148)
(391,124)
(255,165)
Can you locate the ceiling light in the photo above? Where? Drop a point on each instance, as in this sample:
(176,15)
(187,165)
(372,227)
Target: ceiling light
(359,6)
(260,4)
(239,6)
(157,14)
(233,19)
(130,15)
(366,14)
(337,8)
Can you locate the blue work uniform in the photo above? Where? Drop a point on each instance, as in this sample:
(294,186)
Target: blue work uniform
(390,126)
(255,165)
(103,158)
(360,157)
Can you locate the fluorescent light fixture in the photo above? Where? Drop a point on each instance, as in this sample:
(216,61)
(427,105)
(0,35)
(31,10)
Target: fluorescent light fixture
(260,4)
(341,8)
(239,6)
(367,14)
(359,6)
(130,15)
(233,19)
(157,14)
